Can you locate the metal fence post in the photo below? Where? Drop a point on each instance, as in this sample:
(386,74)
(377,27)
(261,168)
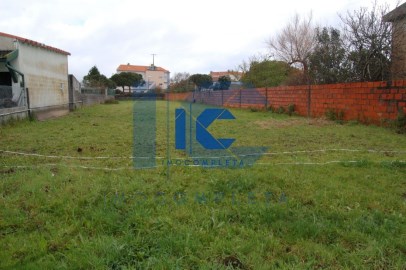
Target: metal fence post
(266,98)
(222,98)
(240,98)
(309,100)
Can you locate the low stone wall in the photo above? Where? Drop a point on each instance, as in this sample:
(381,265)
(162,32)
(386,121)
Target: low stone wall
(8,114)
(90,99)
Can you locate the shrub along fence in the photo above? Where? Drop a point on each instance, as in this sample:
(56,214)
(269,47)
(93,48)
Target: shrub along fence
(367,102)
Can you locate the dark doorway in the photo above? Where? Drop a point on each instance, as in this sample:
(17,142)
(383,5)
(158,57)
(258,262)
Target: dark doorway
(5,78)
(6,91)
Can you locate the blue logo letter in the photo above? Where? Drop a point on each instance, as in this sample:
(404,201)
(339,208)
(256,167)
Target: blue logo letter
(204,137)
(203,121)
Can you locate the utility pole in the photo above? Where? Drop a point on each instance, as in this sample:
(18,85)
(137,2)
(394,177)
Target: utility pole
(153,59)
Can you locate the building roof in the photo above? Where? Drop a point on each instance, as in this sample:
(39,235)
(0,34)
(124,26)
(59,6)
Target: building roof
(396,14)
(133,68)
(224,73)
(217,74)
(34,43)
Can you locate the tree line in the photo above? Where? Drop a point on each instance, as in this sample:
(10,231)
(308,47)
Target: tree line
(360,50)
(300,53)
(184,82)
(123,79)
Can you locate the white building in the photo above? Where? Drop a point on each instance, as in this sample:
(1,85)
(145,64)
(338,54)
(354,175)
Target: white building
(154,77)
(33,77)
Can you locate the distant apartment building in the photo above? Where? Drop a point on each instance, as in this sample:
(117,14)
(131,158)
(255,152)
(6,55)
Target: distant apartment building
(154,76)
(33,77)
(235,76)
(398,19)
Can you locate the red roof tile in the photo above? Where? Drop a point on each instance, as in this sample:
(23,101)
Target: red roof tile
(34,43)
(217,74)
(133,68)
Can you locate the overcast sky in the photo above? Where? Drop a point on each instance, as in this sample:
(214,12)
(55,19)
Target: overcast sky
(190,36)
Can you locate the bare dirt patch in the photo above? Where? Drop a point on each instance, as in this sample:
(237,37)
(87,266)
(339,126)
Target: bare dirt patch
(232,262)
(8,171)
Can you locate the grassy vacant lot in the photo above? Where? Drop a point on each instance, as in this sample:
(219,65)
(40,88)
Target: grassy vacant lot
(326,196)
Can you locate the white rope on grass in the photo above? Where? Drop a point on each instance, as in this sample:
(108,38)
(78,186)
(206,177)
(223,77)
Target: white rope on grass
(67,166)
(213,166)
(309,151)
(242,155)
(340,150)
(70,157)
(311,163)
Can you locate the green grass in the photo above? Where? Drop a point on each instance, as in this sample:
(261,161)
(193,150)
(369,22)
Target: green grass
(312,202)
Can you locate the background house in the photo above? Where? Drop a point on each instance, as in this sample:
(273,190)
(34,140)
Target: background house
(398,19)
(235,76)
(33,77)
(154,76)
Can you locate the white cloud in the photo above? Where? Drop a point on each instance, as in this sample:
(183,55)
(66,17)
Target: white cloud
(192,36)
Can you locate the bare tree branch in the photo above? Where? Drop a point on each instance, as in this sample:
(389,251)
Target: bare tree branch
(295,42)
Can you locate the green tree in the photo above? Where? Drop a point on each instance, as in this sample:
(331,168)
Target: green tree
(266,73)
(328,63)
(182,86)
(201,80)
(95,79)
(224,82)
(128,79)
(110,84)
(119,80)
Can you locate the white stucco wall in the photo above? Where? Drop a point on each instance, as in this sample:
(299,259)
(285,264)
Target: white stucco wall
(46,75)
(45,71)
(160,78)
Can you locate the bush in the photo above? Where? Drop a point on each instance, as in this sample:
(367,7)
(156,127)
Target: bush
(353,123)
(111,101)
(340,117)
(281,109)
(271,109)
(291,109)
(330,114)
(333,115)
(400,122)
